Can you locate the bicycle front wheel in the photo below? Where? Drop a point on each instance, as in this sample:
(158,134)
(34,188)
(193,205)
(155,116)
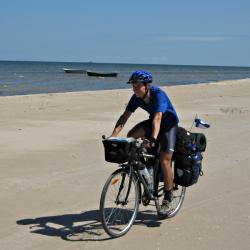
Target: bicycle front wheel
(119,203)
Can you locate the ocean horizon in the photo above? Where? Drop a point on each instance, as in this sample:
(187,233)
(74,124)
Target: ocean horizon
(37,77)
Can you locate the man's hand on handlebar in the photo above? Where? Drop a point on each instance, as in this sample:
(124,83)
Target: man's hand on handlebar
(149,142)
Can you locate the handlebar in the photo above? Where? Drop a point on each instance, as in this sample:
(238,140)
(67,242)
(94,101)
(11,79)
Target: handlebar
(143,153)
(148,155)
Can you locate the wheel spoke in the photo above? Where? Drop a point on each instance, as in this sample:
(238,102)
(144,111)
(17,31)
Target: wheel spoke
(113,210)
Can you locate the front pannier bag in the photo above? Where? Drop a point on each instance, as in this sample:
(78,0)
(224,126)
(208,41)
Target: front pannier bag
(119,150)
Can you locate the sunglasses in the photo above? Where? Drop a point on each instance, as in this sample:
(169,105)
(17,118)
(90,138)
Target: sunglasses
(137,83)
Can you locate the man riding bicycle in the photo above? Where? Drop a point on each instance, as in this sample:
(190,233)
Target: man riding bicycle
(161,125)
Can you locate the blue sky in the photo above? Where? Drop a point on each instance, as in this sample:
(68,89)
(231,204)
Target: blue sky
(155,32)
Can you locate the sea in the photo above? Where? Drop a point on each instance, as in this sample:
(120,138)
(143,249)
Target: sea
(25,77)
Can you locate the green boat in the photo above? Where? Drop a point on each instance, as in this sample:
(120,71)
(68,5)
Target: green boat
(102,74)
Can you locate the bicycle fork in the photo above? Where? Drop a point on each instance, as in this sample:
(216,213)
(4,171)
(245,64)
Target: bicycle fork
(125,201)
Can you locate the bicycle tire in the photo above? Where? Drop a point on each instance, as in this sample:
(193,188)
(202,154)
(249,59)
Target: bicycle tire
(116,216)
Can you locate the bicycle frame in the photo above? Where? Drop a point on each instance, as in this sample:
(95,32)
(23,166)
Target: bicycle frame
(133,168)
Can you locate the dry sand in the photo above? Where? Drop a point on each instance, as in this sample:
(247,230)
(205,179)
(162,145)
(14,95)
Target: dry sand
(53,170)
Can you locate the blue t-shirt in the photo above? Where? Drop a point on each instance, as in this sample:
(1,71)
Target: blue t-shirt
(159,102)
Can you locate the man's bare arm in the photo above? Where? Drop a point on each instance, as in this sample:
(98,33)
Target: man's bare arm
(121,122)
(156,124)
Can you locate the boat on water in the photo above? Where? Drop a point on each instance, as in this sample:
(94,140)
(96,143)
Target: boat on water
(76,71)
(101,74)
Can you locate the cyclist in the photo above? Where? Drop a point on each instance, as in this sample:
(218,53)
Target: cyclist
(161,125)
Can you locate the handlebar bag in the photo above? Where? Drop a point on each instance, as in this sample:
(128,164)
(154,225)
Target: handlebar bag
(119,150)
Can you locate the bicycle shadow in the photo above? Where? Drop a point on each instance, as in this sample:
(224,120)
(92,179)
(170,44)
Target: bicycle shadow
(85,226)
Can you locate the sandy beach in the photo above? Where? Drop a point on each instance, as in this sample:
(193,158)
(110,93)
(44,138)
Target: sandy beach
(53,170)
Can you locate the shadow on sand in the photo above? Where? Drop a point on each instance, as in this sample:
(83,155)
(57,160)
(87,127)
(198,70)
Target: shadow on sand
(85,226)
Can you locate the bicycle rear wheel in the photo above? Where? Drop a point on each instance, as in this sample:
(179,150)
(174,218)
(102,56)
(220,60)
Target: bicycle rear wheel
(119,203)
(178,198)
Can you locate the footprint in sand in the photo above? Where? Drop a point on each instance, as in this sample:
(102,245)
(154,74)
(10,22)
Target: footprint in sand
(234,110)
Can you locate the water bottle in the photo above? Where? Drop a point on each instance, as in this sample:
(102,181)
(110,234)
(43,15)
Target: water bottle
(145,174)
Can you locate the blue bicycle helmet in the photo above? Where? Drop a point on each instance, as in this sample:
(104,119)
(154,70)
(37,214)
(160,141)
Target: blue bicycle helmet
(140,76)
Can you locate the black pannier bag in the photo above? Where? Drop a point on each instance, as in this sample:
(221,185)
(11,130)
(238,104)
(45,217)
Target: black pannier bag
(187,157)
(119,150)
(186,141)
(187,169)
